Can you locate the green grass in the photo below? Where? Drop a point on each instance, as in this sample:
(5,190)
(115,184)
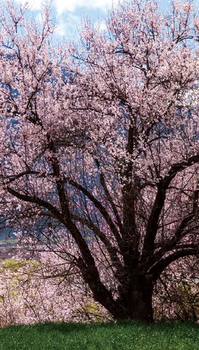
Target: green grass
(121,336)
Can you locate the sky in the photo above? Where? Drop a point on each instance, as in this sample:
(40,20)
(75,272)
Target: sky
(68,13)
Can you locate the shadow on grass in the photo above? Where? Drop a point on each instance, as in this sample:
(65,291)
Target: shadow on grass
(66,328)
(71,327)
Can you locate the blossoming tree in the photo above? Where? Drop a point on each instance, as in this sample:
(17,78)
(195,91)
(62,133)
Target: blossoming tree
(99,152)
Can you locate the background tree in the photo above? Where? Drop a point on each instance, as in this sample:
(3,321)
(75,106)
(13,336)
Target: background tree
(99,145)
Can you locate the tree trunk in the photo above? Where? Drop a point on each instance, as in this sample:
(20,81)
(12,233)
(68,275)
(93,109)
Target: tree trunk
(135,295)
(137,300)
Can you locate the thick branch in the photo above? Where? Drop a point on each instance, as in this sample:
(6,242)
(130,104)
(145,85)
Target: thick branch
(109,198)
(110,248)
(100,207)
(10,178)
(100,292)
(152,225)
(162,264)
(32,199)
(88,267)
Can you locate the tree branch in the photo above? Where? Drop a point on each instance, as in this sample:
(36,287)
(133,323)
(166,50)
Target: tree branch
(152,226)
(161,265)
(100,207)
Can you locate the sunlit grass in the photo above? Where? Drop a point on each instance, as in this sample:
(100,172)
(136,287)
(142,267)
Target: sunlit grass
(120,336)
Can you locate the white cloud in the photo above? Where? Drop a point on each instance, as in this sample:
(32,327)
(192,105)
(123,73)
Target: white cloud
(68,13)
(67,26)
(34,4)
(101,25)
(71,5)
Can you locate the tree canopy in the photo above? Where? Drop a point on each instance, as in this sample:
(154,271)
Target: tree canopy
(99,145)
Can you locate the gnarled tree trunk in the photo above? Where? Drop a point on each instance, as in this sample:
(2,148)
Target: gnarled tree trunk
(137,299)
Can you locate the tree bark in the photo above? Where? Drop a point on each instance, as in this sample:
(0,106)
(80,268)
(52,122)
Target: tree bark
(132,304)
(137,300)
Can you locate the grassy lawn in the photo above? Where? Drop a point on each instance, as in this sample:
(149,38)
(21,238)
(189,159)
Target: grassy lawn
(122,336)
